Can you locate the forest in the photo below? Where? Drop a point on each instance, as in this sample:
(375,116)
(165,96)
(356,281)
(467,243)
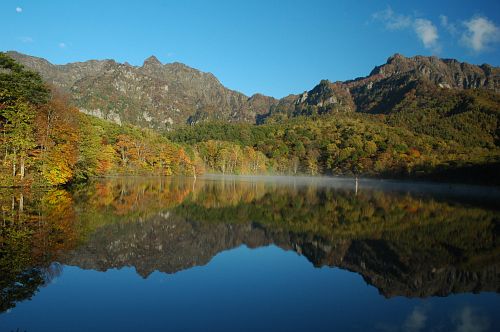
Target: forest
(45,141)
(344,144)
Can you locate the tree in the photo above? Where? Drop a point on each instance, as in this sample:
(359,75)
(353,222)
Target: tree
(21,84)
(312,162)
(18,132)
(58,136)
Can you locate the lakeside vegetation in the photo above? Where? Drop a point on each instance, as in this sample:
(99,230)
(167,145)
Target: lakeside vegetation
(344,144)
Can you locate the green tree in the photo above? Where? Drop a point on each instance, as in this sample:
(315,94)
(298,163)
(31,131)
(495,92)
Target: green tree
(18,133)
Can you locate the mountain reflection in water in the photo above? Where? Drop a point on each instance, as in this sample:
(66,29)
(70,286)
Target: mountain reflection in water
(426,243)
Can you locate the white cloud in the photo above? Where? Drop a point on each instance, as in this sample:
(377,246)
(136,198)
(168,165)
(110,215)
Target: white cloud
(392,20)
(445,23)
(62,45)
(19,10)
(26,39)
(427,32)
(480,33)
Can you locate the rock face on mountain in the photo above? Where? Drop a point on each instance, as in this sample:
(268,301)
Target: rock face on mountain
(163,96)
(387,85)
(446,73)
(153,95)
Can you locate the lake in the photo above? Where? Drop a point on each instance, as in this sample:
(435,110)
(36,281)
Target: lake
(240,253)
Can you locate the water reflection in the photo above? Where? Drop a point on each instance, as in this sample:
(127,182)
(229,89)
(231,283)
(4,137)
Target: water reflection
(464,318)
(412,245)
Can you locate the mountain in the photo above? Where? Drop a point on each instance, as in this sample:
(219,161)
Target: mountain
(441,98)
(427,95)
(153,95)
(387,85)
(446,73)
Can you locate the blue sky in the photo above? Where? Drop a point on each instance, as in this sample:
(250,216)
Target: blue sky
(272,47)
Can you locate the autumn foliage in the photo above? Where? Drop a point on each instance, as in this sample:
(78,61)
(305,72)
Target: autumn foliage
(47,142)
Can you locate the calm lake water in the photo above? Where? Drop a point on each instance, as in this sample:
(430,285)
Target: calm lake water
(250,254)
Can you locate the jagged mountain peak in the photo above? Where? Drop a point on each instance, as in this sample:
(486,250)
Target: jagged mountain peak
(151,61)
(395,57)
(162,96)
(448,73)
(388,84)
(154,95)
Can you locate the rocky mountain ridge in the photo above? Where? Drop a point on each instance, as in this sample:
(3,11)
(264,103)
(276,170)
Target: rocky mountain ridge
(152,95)
(388,84)
(164,96)
(446,73)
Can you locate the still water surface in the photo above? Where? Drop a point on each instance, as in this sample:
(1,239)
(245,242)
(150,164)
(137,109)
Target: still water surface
(250,254)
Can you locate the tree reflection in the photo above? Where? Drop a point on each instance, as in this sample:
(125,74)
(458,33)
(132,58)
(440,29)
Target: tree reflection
(402,244)
(36,228)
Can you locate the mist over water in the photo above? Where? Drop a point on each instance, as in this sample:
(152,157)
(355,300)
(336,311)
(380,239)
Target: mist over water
(464,192)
